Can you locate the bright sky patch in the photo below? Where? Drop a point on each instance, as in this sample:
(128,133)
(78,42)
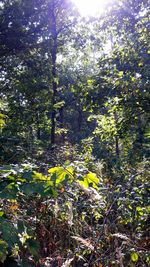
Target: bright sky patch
(91,7)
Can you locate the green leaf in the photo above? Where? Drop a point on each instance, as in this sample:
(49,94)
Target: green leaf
(60,174)
(134,256)
(40,177)
(117,83)
(139,210)
(90,82)
(120,74)
(32,188)
(9,192)
(27,175)
(3,250)
(84,183)
(33,246)
(90,179)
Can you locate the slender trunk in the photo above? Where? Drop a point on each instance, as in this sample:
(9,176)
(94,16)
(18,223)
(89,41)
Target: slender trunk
(39,133)
(61,113)
(117,146)
(54,83)
(53,117)
(31,139)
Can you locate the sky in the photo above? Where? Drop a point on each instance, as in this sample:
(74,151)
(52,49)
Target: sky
(91,7)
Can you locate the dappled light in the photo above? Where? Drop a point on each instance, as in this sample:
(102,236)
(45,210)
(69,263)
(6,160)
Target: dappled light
(74,133)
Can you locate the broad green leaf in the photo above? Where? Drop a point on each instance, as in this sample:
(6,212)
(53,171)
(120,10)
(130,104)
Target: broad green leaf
(49,191)
(40,177)
(9,192)
(89,179)
(33,246)
(9,233)
(84,183)
(28,175)
(32,188)
(134,256)
(60,174)
(28,189)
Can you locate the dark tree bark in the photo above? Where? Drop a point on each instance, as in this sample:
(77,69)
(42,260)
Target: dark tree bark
(117,147)
(61,113)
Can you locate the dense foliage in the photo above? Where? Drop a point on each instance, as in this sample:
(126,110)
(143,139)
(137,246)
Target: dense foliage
(75,131)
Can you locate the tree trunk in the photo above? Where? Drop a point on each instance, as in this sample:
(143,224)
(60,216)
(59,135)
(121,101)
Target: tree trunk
(61,113)
(54,75)
(79,119)
(117,147)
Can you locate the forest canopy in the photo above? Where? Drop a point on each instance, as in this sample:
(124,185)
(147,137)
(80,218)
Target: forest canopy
(74,133)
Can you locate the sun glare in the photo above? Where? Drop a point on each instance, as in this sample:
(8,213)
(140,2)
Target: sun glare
(91,7)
